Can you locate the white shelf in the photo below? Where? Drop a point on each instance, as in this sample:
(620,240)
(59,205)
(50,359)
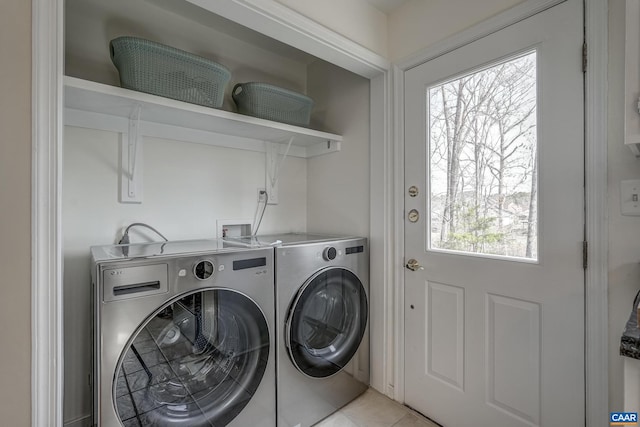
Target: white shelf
(98,106)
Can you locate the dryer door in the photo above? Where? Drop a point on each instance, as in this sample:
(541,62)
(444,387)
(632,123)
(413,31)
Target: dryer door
(196,362)
(326,322)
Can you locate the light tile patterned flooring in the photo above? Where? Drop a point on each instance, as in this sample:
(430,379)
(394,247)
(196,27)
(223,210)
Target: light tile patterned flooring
(372,409)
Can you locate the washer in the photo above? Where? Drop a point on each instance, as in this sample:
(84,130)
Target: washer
(184,335)
(322,288)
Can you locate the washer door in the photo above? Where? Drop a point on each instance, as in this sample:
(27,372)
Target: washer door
(326,322)
(196,362)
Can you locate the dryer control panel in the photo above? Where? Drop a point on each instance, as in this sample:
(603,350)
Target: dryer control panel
(203,269)
(129,282)
(330,253)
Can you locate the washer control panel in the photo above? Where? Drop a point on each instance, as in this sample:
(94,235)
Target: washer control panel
(329,253)
(122,282)
(203,269)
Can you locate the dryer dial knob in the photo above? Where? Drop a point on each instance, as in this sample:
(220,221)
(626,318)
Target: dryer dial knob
(329,253)
(203,270)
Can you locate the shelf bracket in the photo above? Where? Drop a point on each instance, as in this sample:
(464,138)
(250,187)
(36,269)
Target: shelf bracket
(272,168)
(131,160)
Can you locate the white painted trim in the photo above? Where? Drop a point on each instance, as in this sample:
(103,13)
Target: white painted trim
(377,236)
(317,32)
(382,238)
(596,304)
(394,248)
(515,14)
(399,255)
(597,232)
(277,21)
(46,273)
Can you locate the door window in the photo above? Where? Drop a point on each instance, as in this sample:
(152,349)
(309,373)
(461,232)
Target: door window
(483,161)
(197,362)
(326,322)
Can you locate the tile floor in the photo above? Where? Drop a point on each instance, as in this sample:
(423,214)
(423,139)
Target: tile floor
(372,409)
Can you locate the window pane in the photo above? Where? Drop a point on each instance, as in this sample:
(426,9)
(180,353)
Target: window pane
(327,323)
(482,161)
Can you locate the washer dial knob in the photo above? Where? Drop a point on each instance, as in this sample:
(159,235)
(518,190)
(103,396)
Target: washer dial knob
(203,270)
(329,253)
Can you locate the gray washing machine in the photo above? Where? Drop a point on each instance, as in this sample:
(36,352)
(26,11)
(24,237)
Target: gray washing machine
(184,335)
(322,310)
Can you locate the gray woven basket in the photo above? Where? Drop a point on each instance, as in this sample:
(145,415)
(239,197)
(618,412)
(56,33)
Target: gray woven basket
(272,103)
(154,68)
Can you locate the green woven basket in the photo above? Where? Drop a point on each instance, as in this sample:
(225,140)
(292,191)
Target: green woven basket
(154,68)
(272,103)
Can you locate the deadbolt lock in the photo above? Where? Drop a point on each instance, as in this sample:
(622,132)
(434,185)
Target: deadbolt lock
(413,191)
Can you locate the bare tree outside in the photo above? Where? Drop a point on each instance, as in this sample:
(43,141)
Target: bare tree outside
(483,160)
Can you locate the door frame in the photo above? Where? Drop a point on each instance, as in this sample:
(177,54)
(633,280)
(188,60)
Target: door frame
(595,158)
(386,230)
(47,363)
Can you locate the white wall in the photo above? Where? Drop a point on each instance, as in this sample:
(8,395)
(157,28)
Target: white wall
(419,23)
(91,24)
(338,183)
(186,188)
(15,212)
(338,191)
(624,231)
(357,20)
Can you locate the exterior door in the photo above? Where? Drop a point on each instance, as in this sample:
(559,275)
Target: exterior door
(494,317)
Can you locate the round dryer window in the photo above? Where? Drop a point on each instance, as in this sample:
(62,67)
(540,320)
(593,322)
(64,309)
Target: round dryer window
(326,322)
(196,362)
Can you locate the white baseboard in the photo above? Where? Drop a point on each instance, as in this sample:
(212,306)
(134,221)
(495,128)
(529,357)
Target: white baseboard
(79,422)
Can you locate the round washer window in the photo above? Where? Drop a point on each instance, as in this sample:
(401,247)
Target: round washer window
(326,322)
(197,362)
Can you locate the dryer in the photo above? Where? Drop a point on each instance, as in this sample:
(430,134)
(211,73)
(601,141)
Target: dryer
(184,335)
(322,310)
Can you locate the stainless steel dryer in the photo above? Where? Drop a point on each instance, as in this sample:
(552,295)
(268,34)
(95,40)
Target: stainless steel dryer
(322,287)
(184,335)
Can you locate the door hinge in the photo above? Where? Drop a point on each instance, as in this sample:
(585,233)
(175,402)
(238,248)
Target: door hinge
(585,251)
(584,57)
